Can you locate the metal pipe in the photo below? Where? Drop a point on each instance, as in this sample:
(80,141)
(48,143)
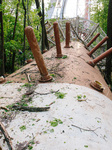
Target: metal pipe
(97,46)
(67,35)
(92,31)
(57,40)
(99,58)
(97,35)
(37,54)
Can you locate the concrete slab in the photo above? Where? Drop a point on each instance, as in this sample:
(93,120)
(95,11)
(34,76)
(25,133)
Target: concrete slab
(82,118)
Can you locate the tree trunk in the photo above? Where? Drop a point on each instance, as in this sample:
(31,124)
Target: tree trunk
(109,43)
(44,34)
(24,30)
(43,28)
(14,31)
(28,20)
(2,70)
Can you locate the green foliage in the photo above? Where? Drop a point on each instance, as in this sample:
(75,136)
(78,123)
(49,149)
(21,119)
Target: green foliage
(60,95)
(19,89)
(12,44)
(55,122)
(27,85)
(81,97)
(50,5)
(64,57)
(53,75)
(99,12)
(30,147)
(52,130)
(22,128)
(86,146)
(8,82)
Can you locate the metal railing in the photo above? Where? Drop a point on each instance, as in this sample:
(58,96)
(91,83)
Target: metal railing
(83,30)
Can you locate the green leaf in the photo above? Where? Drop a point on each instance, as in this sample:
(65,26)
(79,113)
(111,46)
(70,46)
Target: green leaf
(45,131)
(65,56)
(79,96)
(86,146)
(53,75)
(52,130)
(19,89)
(54,123)
(22,128)
(60,95)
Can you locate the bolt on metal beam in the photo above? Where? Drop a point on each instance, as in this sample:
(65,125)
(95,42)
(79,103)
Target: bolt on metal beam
(95,37)
(67,35)
(98,45)
(37,54)
(57,40)
(99,58)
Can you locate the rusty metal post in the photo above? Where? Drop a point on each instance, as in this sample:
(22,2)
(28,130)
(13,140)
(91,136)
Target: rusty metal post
(67,35)
(97,35)
(97,46)
(99,58)
(37,54)
(57,40)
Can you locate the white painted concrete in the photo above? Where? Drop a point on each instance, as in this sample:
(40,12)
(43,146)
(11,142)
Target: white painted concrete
(94,113)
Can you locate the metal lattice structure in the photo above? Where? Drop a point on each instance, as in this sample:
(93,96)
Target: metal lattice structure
(83,30)
(68,9)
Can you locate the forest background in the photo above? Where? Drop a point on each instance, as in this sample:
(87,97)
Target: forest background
(15,15)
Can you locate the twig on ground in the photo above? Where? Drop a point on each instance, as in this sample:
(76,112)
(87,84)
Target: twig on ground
(5,108)
(29,92)
(46,93)
(20,72)
(80,100)
(6,135)
(28,143)
(6,97)
(27,76)
(91,130)
(51,103)
(33,64)
(59,75)
(31,109)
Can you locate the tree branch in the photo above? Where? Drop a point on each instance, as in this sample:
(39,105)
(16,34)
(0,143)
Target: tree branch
(31,109)
(6,135)
(91,130)
(46,93)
